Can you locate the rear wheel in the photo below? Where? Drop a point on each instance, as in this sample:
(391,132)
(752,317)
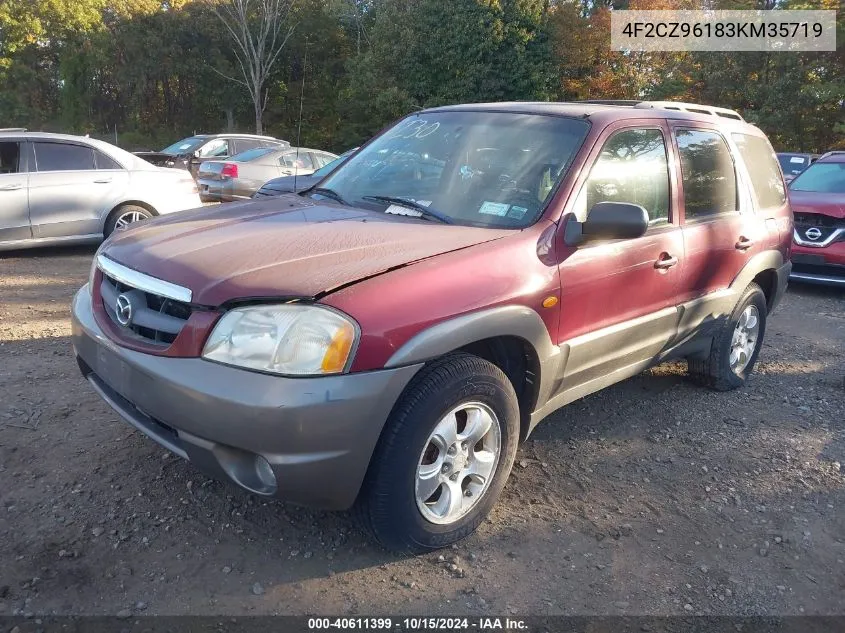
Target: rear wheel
(736,344)
(443,458)
(125,215)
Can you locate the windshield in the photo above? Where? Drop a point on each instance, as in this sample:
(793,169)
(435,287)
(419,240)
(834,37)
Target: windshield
(185,146)
(253,154)
(793,164)
(476,168)
(822,178)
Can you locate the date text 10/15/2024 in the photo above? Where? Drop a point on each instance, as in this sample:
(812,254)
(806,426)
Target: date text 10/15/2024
(418,624)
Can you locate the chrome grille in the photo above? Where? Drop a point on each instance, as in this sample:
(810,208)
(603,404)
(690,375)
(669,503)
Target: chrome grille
(143,307)
(815,229)
(154,318)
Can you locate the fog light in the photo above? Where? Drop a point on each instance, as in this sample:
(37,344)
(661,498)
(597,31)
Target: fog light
(265,472)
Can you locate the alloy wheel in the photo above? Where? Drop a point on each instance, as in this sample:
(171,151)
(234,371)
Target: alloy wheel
(128,218)
(744,339)
(458,462)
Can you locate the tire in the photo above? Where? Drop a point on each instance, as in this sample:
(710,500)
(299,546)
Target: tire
(388,505)
(121,213)
(716,371)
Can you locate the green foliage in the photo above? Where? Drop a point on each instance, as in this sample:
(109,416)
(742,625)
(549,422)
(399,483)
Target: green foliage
(150,70)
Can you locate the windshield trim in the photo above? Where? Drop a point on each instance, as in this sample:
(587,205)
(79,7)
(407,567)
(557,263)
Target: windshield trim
(553,193)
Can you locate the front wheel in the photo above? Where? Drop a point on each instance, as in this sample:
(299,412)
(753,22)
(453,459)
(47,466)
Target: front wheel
(444,456)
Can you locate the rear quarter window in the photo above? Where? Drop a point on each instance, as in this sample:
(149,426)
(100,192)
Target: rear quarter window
(763,168)
(106,162)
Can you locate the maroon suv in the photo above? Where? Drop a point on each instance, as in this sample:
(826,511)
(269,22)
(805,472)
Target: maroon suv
(386,339)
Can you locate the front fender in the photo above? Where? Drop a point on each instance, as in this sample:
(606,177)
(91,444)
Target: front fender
(515,321)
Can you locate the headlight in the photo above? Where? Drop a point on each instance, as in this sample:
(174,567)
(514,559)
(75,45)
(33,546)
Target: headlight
(290,339)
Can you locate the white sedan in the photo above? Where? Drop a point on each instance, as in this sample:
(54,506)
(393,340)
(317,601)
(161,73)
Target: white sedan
(59,189)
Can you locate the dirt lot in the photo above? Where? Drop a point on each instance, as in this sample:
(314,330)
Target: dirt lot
(653,497)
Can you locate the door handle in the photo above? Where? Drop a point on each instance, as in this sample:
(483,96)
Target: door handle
(744,243)
(12,187)
(665,261)
(102,181)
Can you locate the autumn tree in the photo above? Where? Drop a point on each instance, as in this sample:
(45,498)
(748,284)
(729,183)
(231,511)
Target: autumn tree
(258,30)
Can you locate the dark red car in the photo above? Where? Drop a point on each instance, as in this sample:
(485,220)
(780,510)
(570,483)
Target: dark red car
(818,201)
(387,339)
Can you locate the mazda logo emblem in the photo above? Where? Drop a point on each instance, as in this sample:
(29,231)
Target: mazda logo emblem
(813,233)
(123,310)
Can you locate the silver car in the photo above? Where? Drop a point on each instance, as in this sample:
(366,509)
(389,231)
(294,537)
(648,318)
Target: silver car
(56,188)
(239,177)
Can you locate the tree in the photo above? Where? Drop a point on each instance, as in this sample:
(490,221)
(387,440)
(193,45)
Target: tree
(259,30)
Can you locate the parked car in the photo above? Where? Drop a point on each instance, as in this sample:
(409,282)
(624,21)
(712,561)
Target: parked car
(818,201)
(793,164)
(190,152)
(387,339)
(56,188)
(241,176)
(294,184)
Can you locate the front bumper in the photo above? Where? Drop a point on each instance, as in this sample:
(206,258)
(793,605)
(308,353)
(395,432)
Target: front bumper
(819,265)
(317,434)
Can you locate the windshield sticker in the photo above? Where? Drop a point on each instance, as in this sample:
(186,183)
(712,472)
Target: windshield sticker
(494,208)
(797,159)
(466,172)
(517,213)
(396,209)
(425,203)
(185,146)
(414,128)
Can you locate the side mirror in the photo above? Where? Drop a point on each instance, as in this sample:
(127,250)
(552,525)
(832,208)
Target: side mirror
(608,221)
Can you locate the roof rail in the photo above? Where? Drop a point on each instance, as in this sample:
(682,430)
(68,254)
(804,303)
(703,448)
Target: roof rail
(670,105)
(691,107)
(262,136)
(12,129)
(616,102)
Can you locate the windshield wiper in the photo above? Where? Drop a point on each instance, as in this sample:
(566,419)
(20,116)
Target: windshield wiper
(328,193)
(426,212)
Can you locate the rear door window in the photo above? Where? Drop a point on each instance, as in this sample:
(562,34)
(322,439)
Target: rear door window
(244,144)
(762,166)
(708,174)
(303,161)
(10,157)
(321,160)
(63,157)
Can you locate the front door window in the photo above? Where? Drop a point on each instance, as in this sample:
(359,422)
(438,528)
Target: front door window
(632,168)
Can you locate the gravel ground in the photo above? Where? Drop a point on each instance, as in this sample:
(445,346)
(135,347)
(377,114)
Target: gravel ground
(652,497)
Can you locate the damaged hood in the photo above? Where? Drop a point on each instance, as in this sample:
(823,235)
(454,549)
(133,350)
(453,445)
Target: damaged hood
(281,247)
(160,159)
(832,204)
